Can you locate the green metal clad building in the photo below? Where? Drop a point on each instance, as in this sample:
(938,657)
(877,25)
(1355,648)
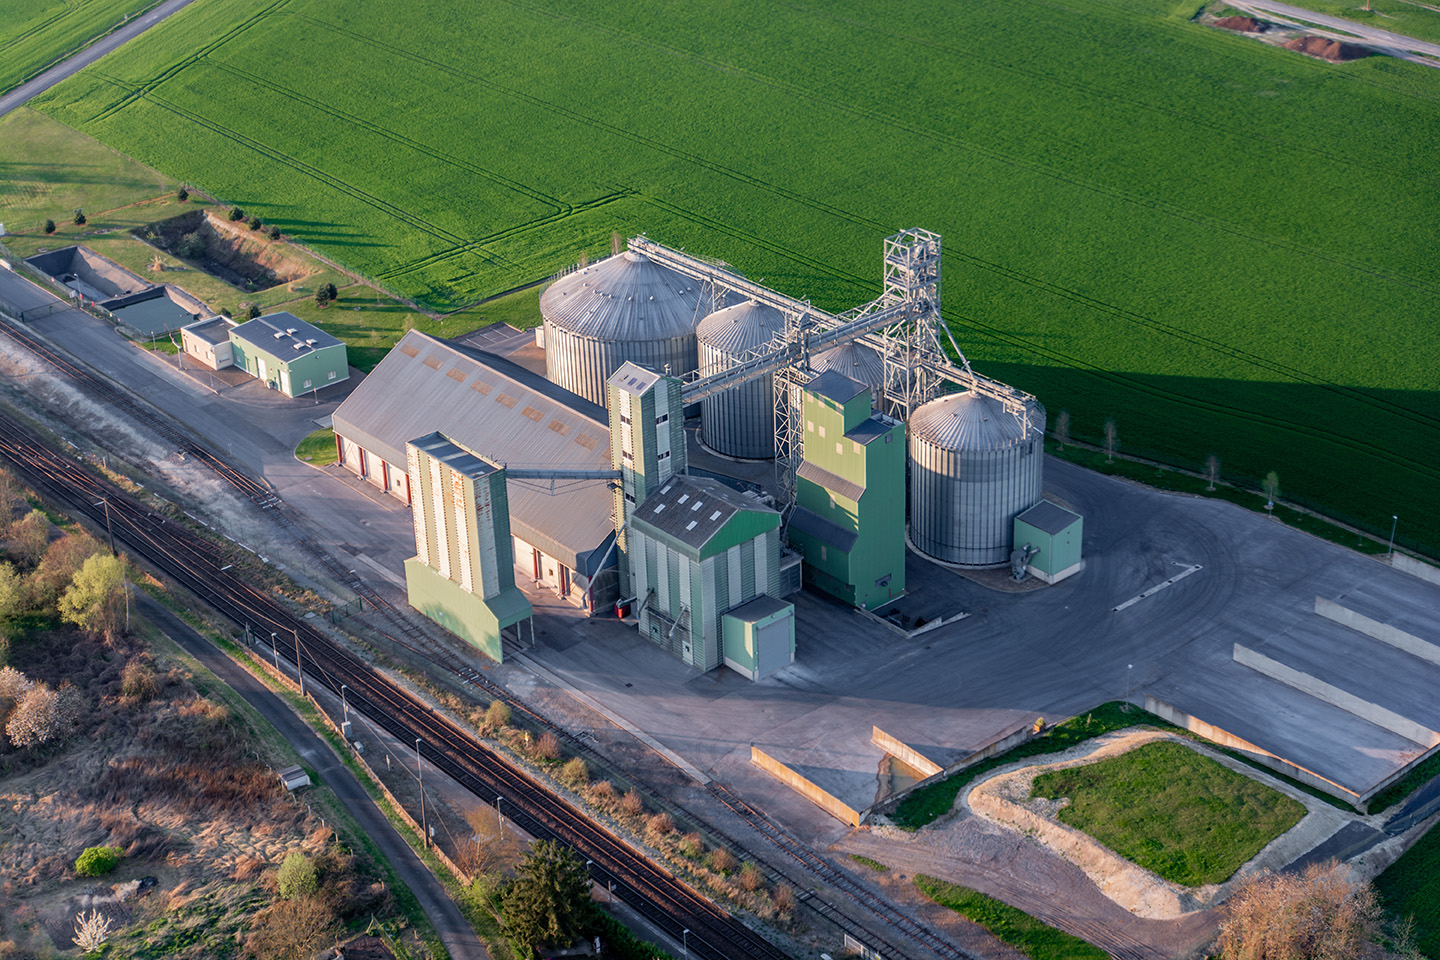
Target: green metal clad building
(849,519)
(697,550)
(1055,534)
(288,354)
(759,637)
(462,575)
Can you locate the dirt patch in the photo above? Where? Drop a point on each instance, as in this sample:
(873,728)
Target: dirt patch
(243,258)
(1241,24)
(1323,48)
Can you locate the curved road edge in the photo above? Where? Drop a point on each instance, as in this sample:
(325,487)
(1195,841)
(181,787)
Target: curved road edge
(450,925)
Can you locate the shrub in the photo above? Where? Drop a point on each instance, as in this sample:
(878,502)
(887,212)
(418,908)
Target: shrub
(49,226)
(659,825)
(191,245)
(322,294)
(574,774)
(98,861)
(91,932)
(292,929)
(631,804)
(254,311)
(297,877)
(784,899)
(274,233)
(254,223)
(752,878)
(182,194)
(236,214)
(497,716)
(547,746)
(225,312)
(138,681)
(602,794)
(37,717)
(1318,913)
(79,216)
(692,845)
(722,860)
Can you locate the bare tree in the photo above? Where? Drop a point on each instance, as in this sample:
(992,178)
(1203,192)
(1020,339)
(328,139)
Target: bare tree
(91,932)
(292,930)
(615,244)
(1112,440)
(13,686)
(1212,470)
(36,718)
(29,536)
(1320,913)
(1271,488)
(1062,428)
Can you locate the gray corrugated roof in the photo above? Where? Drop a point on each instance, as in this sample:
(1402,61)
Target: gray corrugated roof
(758,609)
(823,530)
(836,386)
(271,334)
(624,297)
(694,509)
(456,457)
(838,485)
(745,326)
(967,421)
(872,429)
(502,411)
(1049,517)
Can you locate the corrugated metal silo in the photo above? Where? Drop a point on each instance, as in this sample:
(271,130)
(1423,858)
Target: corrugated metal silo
(624,307)
(973,466)
(739,422)
(856,361)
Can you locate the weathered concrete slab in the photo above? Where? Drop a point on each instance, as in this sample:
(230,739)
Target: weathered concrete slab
(1383,632)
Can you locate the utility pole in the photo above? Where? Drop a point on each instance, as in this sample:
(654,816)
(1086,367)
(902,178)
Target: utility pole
(275,649)
(299,670)
(1394,522)
(420,775)
(110,532)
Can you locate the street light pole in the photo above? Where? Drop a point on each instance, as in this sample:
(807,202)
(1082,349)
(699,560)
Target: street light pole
(685,942)
(1394,522)
(499,817)
(420,775)
(343,705)
(1129,671)
(299,670)
(275,650)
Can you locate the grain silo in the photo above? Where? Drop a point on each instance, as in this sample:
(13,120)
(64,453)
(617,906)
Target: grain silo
(739,422)
(974,465)
(624,307)
(858,362)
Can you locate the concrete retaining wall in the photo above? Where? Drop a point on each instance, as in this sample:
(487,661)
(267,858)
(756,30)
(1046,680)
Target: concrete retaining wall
(1224,738)
(1383,632)
(821,798)
(1333,695)
(905,753)
(1416,568)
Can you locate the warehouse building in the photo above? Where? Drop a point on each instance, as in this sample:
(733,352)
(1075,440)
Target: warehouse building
(287,354)
(563,536)
(849,519)
(462,575)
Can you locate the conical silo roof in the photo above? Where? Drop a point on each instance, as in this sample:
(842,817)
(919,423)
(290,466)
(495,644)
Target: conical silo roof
(854,360)
(967,421)
(743,327)
(626,297)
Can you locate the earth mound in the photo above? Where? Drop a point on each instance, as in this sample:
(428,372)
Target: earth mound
(1325,49)
(1241,24)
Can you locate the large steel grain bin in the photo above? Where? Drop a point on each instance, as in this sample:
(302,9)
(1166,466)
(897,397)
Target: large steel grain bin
(624,307)
(974,465)
(739,422)
(856,361)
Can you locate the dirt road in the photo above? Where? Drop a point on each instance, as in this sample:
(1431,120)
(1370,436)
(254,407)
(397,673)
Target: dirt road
(1393,44)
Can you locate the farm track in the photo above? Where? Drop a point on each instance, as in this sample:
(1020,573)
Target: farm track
(667,902)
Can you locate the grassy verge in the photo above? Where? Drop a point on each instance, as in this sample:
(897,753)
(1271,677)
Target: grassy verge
(318,448)
(875,865)
(1014,927)
(1411,887)
(923,806)
(1396,16)
(1423,773)
(1172,811)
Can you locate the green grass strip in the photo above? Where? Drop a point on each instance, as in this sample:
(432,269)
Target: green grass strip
(1172,810)
(1411,887)
(875,865)
(1015,927)
(318,448)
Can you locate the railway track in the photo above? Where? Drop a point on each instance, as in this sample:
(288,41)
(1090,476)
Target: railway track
(194,563)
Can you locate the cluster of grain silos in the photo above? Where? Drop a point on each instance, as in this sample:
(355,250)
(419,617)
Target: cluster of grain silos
(974,465)
(739,422)
(855,360)
(624,307)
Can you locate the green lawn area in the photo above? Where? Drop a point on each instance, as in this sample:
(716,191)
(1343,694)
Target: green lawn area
(1411,887)
(318,448)
(1172,811)
(1227,247)
(36,33)
(1015,927)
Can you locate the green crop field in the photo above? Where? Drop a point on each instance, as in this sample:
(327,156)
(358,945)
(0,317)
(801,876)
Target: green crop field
(36,33)
(1172,810)
(1228,247)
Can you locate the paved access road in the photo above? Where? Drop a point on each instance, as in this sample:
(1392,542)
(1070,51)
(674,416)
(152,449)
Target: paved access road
(454,931)
(81,60)
(1394,43)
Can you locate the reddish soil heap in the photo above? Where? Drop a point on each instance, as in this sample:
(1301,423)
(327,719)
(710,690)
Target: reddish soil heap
(1332,50)
(1240,24)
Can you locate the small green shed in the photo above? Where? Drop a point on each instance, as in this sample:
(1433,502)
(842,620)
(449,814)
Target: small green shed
(760,637)
(1055,533)
(288,354)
